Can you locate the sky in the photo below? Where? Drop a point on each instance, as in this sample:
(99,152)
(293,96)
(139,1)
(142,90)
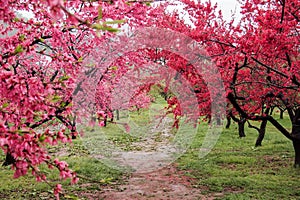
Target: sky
(227,7)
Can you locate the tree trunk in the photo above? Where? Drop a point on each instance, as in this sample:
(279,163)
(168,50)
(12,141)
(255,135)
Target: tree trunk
(112,116)
(9,159)
(241,124)
(296,144)
(262,129)
(218,120)
(228,121)
(296,137)
(105,121)
(261,133)
(118,114)
(272,109)
(208,117)
(281,113)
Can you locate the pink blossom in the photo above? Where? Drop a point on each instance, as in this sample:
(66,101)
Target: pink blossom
(3,141)
(53,3)
(101,123)
(57,191)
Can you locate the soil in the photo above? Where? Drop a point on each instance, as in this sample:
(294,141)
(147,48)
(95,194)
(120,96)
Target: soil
(155,150)
(165,184)
(152,176)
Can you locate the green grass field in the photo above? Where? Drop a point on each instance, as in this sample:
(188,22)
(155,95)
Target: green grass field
(234,168)
(238,170)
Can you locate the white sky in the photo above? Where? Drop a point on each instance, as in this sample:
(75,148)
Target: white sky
(228,7)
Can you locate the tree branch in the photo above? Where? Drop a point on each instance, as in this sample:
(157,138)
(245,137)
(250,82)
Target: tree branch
(277,125)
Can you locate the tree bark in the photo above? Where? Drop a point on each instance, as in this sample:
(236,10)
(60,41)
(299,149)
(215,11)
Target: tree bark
(281,113)
(241,124)
(272,109)
(261,133)
(118,114)
(9,159)
(296,137)
(228,122)
(218,120)
(262,129)
(296,144)
(105,121)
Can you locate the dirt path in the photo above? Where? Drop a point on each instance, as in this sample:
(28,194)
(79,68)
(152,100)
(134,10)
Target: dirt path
(152,178)
(165,184)
(156,148)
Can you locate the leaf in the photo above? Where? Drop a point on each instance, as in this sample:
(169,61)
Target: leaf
(19,49)
(110,29)
(63,104)
(42,138)
(16,19)
(80,59)
(64,78)
(56,98)
(104,28)
(100,14)
(115,21)
(22,37)
(97,26)
(114,68)
(5,105)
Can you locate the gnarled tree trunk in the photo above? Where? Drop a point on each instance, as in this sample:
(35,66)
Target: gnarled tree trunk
(228,121)
(296,144)
(262,129)
(241,124)
(281,113)
(118,114)
(296,137)
(261,133)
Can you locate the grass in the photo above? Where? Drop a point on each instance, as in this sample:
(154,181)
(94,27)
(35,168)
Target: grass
(238,170)
(93,175)
(234,168)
